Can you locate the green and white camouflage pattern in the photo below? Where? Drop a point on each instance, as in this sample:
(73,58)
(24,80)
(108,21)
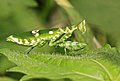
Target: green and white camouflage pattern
(54,37)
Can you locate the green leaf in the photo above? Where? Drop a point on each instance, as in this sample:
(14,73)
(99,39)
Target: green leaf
(6,79)
(103,65)
(4,64)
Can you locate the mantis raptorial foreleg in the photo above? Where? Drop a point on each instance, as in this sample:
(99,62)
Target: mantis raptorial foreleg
(63,35)
(71,45)
(40,44)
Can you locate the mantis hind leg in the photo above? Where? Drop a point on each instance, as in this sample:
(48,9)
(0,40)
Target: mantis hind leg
(39,44)
(29,50)
(42,43)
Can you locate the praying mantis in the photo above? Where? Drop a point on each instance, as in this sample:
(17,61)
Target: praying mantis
(54,37)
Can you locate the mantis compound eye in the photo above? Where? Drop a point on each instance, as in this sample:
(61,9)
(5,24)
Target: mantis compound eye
(35,33)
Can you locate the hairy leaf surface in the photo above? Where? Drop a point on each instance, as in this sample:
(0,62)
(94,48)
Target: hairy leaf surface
(100,66)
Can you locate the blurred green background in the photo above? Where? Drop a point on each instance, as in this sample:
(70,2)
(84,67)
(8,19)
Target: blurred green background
(18,16)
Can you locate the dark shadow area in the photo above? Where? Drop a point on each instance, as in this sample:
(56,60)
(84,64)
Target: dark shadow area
(44,79)
(14,75)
